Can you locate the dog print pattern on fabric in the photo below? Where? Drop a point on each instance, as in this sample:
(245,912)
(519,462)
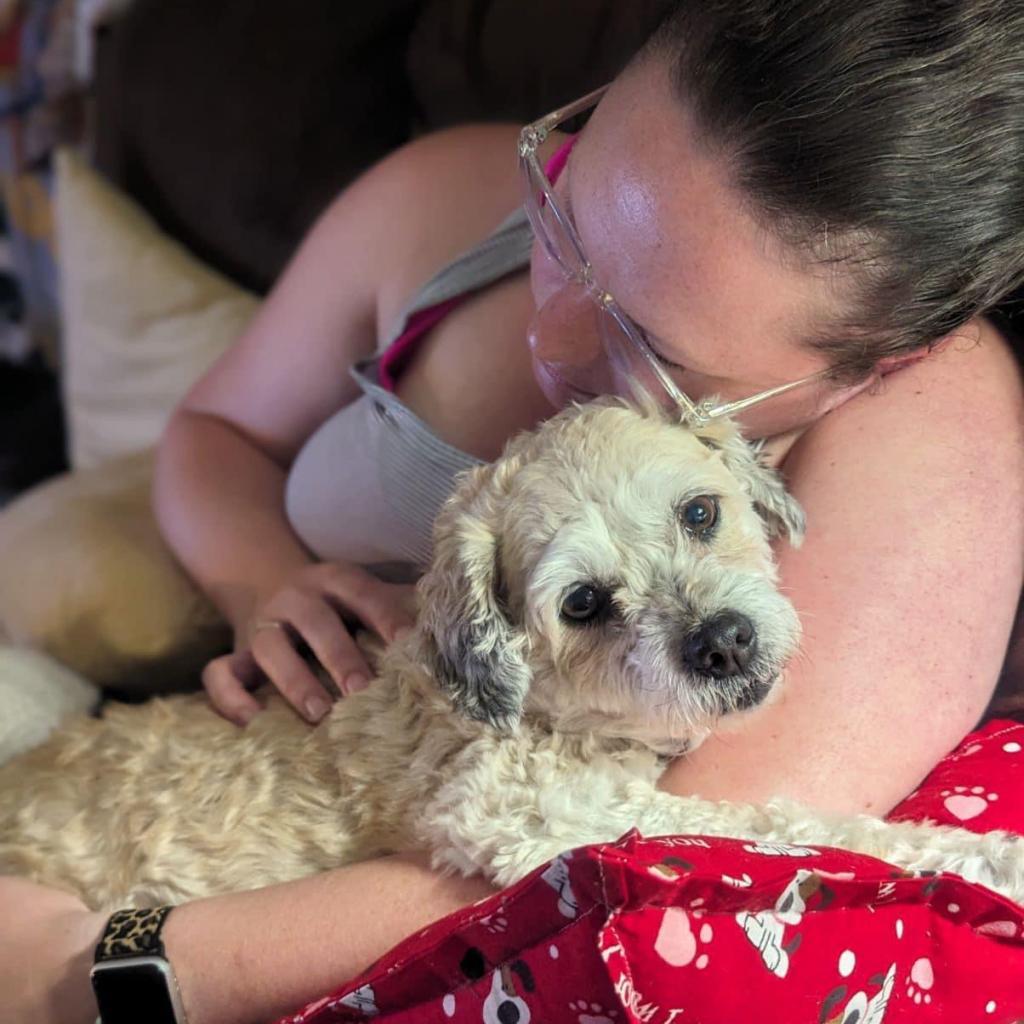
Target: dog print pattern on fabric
(593,1013)
(504,1004)
(877,944)
(361,999)
(557,876)
(860,1009)
(767,930)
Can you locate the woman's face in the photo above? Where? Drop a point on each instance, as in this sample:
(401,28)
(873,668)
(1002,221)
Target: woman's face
(668,236)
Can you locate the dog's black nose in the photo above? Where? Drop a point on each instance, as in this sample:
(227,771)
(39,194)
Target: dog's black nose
(722,646)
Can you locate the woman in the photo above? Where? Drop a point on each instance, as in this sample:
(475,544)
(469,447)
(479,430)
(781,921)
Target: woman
(822,195)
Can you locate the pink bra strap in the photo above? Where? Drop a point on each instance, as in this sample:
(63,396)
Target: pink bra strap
(554,167)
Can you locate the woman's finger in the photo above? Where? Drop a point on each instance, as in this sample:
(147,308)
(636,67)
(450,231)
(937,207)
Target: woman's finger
(226,679)
(382,607)
(318,624)
(275,653)
(312,620)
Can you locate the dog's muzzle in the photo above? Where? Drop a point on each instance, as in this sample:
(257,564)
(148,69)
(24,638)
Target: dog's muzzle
(722,647)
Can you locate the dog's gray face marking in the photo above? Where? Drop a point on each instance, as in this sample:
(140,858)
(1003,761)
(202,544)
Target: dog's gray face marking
(637,576)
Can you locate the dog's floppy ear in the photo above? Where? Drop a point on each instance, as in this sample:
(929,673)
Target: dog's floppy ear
(780,511)
(479,655)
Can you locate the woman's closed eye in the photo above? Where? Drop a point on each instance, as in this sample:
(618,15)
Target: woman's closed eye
(660,356)
(677,368)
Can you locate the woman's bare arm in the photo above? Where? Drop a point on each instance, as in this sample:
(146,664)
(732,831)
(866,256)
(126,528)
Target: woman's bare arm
(222,464)
(906,585)
(258,955)
(244,957)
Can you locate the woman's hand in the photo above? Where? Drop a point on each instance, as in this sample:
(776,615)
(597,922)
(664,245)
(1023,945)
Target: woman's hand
(47,938)
(306,612)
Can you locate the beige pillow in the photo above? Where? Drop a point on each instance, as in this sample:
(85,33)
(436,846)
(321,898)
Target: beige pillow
(142,318)
(88,579)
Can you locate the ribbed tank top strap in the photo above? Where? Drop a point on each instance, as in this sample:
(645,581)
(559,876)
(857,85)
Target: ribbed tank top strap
(505,250)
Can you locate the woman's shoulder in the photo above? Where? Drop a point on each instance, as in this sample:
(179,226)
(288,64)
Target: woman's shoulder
(914,554)
(444,192)
(964,399)
(928,465)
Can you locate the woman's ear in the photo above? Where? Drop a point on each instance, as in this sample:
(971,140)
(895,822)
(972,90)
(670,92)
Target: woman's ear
(889,363)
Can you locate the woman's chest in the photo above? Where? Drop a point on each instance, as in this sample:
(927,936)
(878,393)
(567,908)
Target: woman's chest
(470,378)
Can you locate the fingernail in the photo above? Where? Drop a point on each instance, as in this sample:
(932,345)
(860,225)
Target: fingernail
(356,682)
(316,708)
(246,715)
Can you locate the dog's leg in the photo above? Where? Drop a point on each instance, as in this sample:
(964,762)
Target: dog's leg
(505,824)
(994,859)
(510,807)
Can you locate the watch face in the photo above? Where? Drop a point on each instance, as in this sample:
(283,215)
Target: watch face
(134,991)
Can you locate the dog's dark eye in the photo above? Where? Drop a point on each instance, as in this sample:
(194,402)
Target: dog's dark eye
(699,515)
(584,603)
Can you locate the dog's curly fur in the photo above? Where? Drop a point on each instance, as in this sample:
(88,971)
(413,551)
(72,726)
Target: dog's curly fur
(503,730)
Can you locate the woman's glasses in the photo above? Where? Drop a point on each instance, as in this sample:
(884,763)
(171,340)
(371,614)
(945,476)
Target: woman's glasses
(632,361)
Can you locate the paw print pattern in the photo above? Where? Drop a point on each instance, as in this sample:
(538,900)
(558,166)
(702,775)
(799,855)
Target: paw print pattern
(922,979)
(965,802)
(680,937)
(496,924)
(593,1013)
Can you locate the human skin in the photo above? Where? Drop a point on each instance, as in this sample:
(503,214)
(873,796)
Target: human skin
(906,583)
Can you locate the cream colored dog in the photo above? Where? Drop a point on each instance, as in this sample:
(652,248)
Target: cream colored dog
(599,599)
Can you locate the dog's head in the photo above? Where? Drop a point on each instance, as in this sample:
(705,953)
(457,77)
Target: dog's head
(612,569)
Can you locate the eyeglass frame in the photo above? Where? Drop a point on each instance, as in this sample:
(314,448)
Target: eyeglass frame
(531,138)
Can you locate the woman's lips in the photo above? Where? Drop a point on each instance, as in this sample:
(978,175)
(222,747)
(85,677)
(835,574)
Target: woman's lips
(558,391)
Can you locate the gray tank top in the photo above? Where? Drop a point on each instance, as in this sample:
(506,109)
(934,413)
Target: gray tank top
(367,484)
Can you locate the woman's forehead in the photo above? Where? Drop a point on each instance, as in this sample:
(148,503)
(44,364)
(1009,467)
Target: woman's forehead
(668,233)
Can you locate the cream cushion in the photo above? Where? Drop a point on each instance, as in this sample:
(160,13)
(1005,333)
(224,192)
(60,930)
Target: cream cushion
(88,579)
(86,575)
(142,317)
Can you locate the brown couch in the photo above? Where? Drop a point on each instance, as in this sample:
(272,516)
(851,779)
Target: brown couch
(236,121)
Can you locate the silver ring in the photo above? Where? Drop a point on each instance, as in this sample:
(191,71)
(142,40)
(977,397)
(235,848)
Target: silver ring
(268,624)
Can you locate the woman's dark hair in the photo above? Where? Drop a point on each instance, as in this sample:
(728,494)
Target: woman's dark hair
(887,135)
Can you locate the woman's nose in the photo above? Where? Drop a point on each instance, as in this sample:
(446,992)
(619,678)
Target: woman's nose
(563,335)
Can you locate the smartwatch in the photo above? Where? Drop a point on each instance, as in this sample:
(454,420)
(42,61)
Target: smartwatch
(131,976)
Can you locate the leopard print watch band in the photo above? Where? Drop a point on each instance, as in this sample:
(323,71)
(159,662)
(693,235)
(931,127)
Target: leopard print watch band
(132,933)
